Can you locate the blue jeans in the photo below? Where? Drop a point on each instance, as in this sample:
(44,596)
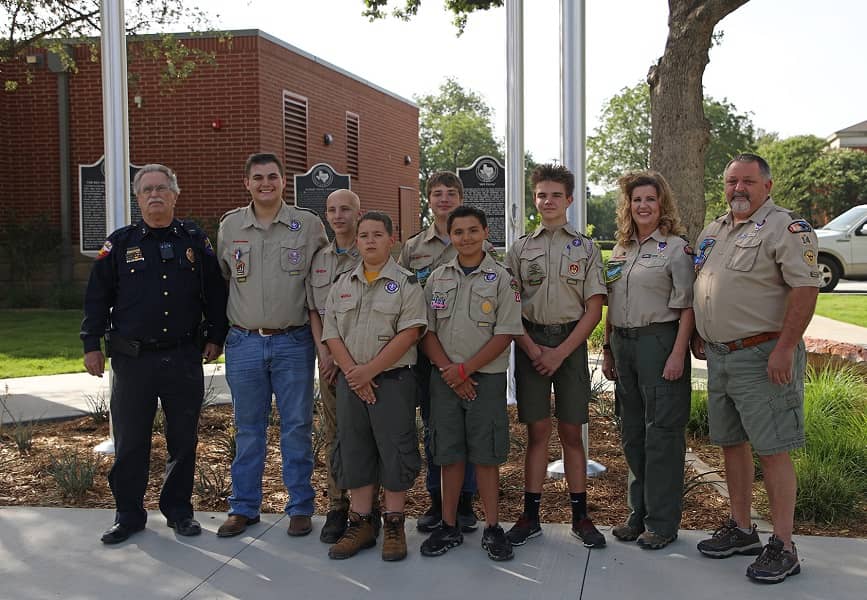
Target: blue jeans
(257,367)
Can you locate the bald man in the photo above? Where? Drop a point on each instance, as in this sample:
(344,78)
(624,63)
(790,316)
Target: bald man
(342,211)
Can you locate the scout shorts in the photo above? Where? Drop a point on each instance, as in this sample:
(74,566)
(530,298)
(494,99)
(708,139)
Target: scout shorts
(743,405)
(377,442)
(476,431)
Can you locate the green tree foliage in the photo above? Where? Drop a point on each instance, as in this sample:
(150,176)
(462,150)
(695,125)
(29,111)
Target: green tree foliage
(621,142)
(602,214)
(375,9)
(790,159)
(48,24)
(455,128)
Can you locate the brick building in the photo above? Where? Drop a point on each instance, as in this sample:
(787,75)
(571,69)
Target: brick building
(261,95)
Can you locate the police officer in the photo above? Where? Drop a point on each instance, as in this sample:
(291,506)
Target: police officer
(149,286)
(755,292)
(646,351)
(265,250)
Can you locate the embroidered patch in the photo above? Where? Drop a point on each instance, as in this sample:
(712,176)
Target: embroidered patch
(209,249)
(438,302)
(613,271)
(134,254)
(573,268)
(535,280)
(688,250)
(805,239)
(514,285)
(104,251)
(810,257)
(576,242)
(391,287)
(294,224)
(704,250)
(518,297)
(191,256)
(294,256)
(422,274)
(490,276)
(240,268)
(320,270)
(237,254)
(486,307)
(799,226)
(661,246)
(760,225)
(346,295)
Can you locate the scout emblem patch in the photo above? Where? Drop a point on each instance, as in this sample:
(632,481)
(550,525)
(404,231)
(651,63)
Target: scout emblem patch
(422,274)
(613,271)
(438,302)
(704,250)
(487,307)
(104,251)
(134,254)
(209,249)
(576,242)
(810,257)
(536,274)
(391,287)
(240,269)
(514,285)
(800,226)
(760,225)
(573,268)
(490,276)
(294,256)
(294,224)
(661,246)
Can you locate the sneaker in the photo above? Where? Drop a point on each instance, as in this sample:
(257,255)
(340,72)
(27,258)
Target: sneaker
(394,537)
(586,531)
(357,537)
(499,547)
(626,532)
(775,564)
(441,540)
(433,516)
(653,541)
(729,539)
(523,530)
(335,525)
(467,519)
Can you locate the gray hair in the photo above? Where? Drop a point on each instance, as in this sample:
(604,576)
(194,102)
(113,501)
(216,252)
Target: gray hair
(749,157)
(154,167)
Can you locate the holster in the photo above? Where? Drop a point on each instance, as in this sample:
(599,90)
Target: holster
(115,344)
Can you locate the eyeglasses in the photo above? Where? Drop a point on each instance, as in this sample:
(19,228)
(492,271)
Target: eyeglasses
(159,189)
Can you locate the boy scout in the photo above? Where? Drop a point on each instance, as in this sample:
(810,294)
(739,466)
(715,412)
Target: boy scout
(473,312)
(342,211)
(559,276)
(421,254)
(373,318)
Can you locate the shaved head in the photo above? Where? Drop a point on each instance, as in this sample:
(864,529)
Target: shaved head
(338,196)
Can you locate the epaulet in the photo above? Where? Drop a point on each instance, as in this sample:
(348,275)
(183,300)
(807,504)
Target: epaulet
(231,212)
(409,274)
(305,209)
(121,232)
(415,235)
(192,228)
(720,217)
(684,238)
(525,235)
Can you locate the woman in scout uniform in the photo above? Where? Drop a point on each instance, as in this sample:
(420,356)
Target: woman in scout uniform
(373,318)
(647,331)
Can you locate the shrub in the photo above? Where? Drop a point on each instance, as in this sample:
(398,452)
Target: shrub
(212,483)
(19,430)
(97,407)
(697,425)
(74,472)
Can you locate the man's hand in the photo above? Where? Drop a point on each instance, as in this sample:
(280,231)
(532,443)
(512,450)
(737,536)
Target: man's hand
(696,344)
(780,365)
(327,368)
(608,368)
(451,375)
(366,393)
(548,361)
(94,362)
(466,390)
(358,377)
(673,368)
(212,352)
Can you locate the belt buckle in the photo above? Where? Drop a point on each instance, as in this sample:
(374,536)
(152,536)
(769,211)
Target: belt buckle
(719,348)
(263,334)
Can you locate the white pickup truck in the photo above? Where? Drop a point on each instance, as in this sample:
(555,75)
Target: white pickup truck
(843,248)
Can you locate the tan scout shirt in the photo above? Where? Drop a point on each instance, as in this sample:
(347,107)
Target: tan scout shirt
(649,282)
(367,316)
(425,251)
(556,271)
(745,272)
(465,311)
(267,268)
(327,266)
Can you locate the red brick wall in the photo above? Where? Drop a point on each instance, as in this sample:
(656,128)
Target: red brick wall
(174,126)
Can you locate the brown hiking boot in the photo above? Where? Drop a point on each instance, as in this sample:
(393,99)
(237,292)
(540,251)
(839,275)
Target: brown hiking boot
(394,537)
(358,536)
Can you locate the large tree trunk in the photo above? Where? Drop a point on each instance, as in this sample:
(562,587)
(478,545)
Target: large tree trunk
(679,129)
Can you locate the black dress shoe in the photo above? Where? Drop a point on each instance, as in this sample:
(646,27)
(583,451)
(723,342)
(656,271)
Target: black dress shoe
(187,526)
(118,533)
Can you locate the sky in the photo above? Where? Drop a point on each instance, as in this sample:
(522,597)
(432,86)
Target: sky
(796,66)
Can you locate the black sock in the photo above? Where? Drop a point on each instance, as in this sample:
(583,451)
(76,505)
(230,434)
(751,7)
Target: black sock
(579,505)
(531,505)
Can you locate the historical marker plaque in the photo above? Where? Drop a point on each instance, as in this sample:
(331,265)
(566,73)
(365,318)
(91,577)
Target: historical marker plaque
(313,188)
(92,220)
(485,188)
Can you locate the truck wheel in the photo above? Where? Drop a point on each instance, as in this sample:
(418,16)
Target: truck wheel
(829,272)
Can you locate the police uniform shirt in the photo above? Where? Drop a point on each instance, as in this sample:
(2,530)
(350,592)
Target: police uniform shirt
(366,316)
(267,268)
(649,282)
(327,266)
(745,272)
(465,311)
(155,284)
(556,271)
(425,251)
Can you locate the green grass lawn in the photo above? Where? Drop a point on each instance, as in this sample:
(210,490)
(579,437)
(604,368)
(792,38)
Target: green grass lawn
(40,342)
(849,308)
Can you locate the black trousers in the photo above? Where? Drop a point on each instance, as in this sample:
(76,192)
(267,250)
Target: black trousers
(175,377)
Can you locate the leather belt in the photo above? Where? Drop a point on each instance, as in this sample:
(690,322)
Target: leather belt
(554,329)
(633,333)
(265,332)
(747,342)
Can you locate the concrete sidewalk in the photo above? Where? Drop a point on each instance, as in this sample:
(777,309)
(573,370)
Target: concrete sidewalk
(56,553)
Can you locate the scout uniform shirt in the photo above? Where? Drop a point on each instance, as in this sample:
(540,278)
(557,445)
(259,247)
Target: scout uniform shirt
(366,316)
(327,266)
(267,268)
(745,272)
(465,311)
(425,251)
(556,271)
(649,282)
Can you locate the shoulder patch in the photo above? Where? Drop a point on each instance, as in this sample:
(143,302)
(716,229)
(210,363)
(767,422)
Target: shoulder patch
(799,226)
